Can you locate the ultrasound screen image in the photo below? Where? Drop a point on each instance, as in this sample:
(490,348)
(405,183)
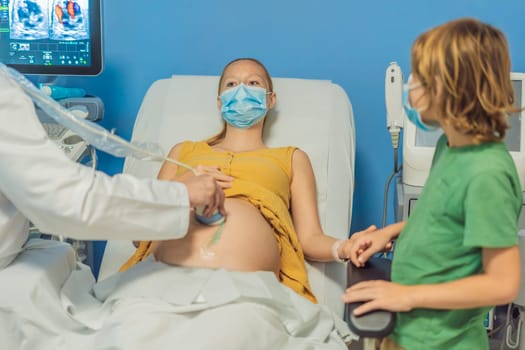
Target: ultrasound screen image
(56,20)
(29,19)
(69,21)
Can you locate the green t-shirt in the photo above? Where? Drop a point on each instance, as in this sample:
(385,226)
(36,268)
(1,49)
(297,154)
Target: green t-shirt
(472,199)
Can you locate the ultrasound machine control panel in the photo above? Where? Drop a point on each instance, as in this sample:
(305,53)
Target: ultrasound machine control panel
(74,146)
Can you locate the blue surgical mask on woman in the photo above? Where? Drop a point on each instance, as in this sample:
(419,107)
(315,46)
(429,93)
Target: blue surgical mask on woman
(413,114)
(243,106)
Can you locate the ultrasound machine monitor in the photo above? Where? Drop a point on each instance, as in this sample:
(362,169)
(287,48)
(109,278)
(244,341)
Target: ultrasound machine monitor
(51,37)
(418,145)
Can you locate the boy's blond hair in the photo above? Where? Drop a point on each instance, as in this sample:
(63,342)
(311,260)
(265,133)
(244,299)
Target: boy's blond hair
(465,67)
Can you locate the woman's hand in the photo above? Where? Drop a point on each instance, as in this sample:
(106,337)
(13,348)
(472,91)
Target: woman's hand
(223,180)
(346,249)
(381,295)
(366,244)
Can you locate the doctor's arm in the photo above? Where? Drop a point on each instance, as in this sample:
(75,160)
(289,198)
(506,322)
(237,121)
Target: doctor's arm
(66,198)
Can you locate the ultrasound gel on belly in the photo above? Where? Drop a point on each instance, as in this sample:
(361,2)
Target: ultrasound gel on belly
(216,219)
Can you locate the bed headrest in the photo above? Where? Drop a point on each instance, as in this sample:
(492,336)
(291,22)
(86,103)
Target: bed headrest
(314,115)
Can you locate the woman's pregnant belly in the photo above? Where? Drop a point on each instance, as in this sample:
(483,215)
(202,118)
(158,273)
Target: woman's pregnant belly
(247,242)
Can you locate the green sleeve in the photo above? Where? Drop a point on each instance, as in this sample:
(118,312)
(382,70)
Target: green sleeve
(491,211)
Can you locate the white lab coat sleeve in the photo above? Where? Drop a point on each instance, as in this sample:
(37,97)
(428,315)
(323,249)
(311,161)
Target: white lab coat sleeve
(63,197)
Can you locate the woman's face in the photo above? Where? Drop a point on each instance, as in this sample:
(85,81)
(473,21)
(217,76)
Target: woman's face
(250,74)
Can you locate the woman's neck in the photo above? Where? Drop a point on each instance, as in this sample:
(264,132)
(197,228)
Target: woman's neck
(241,140)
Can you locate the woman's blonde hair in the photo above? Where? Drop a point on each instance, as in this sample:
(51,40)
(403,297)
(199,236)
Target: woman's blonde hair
(465,67)
(220,136)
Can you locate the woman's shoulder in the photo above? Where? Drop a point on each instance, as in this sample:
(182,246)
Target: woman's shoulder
(192,144)
(187,146)
(284,149)
(292,155)
(299,157)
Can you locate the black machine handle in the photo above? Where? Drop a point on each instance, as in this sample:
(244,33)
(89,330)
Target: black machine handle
(377,323)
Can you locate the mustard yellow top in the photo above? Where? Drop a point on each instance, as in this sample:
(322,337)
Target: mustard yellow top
(263,178)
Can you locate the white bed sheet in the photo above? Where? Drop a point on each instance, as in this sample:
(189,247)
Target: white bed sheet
(32,313)
(154,305)
(50,301)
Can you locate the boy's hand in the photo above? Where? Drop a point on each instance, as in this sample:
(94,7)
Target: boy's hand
(366,245)
(380,295)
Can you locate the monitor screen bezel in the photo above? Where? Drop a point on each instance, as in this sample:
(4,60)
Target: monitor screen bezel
(96,50)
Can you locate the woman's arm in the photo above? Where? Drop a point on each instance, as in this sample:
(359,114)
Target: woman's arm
(168,170)
(498,284)
(316,245)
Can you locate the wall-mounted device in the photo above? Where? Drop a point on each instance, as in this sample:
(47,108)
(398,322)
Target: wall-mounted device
(393,98)
(394,120)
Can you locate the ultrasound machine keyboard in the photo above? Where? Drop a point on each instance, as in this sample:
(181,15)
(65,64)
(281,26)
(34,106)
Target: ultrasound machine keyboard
(54,130)
(69,142)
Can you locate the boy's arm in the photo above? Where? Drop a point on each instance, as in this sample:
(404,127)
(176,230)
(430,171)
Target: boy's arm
(498,284)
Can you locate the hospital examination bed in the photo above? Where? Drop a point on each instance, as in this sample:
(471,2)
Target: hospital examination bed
(50,301)
(314,115)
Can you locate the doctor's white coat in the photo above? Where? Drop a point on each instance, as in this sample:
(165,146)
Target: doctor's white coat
(39,183)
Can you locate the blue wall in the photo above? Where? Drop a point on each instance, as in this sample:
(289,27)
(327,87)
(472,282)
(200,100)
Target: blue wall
(348,42)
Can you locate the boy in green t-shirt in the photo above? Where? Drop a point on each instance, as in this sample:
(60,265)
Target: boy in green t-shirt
(457,254)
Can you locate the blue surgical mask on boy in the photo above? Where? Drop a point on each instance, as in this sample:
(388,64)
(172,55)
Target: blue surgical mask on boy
(243,106)
(413,114)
